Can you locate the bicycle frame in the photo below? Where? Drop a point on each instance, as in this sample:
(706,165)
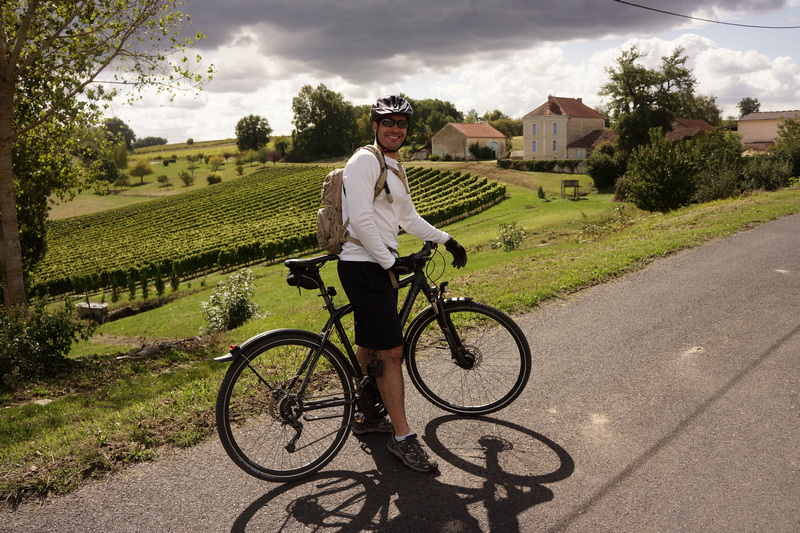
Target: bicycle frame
(417,282)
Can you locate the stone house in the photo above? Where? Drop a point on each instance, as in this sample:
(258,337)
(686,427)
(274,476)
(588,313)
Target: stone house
(455,139)
(759,130)
(561,128)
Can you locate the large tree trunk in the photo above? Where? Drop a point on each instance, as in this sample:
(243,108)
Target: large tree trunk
(10,248)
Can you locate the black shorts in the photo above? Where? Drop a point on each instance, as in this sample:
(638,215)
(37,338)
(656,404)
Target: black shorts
(374,300)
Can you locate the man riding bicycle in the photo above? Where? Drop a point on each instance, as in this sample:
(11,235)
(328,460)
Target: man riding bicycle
(369,265)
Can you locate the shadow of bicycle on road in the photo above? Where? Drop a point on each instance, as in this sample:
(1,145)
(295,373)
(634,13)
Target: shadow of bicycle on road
(495,470)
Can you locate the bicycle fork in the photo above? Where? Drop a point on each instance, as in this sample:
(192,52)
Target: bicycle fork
(458,351)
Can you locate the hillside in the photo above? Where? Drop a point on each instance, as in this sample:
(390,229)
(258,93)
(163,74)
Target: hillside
(260,217)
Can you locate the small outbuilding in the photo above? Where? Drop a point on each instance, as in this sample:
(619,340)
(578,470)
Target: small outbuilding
(455,139)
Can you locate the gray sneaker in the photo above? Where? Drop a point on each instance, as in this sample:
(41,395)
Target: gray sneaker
(410,451)
(379,425)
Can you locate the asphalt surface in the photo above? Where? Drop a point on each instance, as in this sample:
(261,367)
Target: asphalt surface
(667,400)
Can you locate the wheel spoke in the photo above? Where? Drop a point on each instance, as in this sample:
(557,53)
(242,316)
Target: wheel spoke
(260,399)
(501,361)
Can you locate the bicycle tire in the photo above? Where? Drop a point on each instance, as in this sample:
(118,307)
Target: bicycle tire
(249,414)
(503,359)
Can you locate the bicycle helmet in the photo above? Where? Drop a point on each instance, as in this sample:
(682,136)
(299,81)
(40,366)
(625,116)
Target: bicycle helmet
(391,105)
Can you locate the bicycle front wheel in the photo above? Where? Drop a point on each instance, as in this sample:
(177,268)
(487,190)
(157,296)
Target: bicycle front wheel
(268,425)
(499,367)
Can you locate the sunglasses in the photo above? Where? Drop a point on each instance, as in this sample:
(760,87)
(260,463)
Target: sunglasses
(390,123)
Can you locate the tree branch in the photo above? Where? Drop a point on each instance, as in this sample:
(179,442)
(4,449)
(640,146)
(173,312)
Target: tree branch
(22,34)
(49,42)
(138,20)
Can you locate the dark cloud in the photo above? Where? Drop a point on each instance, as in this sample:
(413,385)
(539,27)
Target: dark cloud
(359,38)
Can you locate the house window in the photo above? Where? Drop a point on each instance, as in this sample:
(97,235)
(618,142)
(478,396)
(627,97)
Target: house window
(533,131)
(555,129)
(534,146)
(580,153)
(554,145)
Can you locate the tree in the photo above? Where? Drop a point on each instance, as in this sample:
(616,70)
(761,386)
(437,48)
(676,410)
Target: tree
(787,143)
(140,170)
(215,163)
(281,146)
(507,126)
(491,116)
(118,131)
(252,132)
(748,105)
(430,115)
(149,141)
(471,117)
(643,98)
(324,122)
(704,108)
(120,155)
(51,54)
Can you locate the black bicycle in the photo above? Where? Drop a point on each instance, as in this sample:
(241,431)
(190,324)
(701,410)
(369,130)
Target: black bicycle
(286,403)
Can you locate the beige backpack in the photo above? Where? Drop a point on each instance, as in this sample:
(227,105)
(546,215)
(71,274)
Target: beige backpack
(331,230)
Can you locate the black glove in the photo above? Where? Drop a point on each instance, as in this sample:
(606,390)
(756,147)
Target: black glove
(403,265)
(458,252)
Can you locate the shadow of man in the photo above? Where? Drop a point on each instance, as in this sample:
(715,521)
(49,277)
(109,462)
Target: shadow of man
(489,465)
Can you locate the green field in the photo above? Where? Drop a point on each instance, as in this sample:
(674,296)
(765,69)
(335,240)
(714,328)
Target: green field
(265,215)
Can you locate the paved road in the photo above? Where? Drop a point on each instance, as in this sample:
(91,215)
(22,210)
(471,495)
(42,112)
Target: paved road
(668,400)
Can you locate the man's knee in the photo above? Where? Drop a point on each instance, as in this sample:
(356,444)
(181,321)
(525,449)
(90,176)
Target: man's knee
(392,355)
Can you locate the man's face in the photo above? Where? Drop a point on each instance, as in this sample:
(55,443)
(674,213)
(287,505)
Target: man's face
(391,137)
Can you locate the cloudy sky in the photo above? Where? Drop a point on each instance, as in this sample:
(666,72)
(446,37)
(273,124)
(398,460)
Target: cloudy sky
(492,54)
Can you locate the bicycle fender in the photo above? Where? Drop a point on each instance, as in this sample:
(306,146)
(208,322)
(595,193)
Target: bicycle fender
(423,315)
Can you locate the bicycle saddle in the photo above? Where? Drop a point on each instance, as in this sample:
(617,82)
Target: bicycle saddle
(313,262)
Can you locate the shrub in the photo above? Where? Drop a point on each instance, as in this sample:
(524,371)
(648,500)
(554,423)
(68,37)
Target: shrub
(660,175)
(434,157)
(239,169)
(163,180)
(788,144)
(230,304)
(186,178)
(724,180)
(213,178)
(481,152)
(122,180)
(511,236)
(766,172)
(605,165)
(190,141)
(719,157)
(35,341)
(540,193)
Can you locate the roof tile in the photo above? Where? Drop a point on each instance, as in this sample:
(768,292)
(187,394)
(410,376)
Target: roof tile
(478,129)
(772,115)
(572,107)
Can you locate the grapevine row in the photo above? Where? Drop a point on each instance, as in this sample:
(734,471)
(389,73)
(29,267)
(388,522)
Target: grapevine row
(262,217)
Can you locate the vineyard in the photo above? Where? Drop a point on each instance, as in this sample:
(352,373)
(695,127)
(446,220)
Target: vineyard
(262,217)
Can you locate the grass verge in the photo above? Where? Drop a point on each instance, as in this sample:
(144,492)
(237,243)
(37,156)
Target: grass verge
(107,412)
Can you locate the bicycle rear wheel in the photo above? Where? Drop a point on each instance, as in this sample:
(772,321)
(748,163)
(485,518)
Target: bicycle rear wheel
(267,426)
(501,367)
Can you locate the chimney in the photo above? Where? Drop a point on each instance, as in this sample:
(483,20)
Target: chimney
(579,100)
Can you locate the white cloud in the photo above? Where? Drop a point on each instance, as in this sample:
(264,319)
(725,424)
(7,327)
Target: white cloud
(247,81)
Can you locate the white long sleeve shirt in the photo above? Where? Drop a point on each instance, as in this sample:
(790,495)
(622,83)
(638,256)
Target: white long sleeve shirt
(376,223)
